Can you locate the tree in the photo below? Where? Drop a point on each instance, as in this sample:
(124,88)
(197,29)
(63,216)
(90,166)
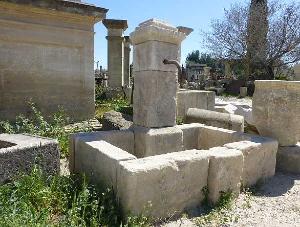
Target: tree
(230,39)
(202,58)
(256,39)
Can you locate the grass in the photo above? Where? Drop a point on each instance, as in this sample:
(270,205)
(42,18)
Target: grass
(33,200)
(36,124)
(218,215)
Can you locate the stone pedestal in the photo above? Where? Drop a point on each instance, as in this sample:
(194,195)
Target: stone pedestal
(115,51)
(288,159)
(155,84)
(127,50)
(276,110)
(243,92)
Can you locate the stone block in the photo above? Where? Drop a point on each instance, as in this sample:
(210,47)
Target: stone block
(123,139)
(288,159)
(154,103)
(99,161)
(259,159)
(214,118)
(194,99)
(213,137)
(149,142)
(225,172)
(149,56)
(20,153)
(190,134)
(170,182)
(276,110)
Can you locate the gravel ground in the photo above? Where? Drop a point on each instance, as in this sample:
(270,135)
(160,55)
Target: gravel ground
(275,204)
(233,100)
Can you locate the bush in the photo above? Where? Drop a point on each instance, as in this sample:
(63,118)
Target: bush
(36,124)
(34,200)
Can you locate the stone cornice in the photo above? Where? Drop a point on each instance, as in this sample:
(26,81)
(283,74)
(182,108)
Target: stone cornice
(115,24)
(156,30)
(64,6)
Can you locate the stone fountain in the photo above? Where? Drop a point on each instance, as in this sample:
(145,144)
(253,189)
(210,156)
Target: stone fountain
(158,162)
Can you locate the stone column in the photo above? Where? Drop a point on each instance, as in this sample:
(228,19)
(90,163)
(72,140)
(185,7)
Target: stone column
(127,50)
(115,49)
(207,74)
(155,84)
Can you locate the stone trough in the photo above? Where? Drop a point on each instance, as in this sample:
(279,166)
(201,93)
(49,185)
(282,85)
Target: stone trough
(158,162)
(19,153)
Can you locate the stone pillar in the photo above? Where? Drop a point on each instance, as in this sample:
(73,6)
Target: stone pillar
(207,73)
(127,50)
(297,72)
(115,49)
(155,84)
(276,110)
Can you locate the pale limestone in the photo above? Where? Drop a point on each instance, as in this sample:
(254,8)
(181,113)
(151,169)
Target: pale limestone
(150,141)
(123,139)
(46,56)
(288,159)
(99,160)
(154,102)
(194,99)
(276,110)
(259,159)
(155,84)
(171,183)
(213,137)
(190,134)
(214,118)
(225,172)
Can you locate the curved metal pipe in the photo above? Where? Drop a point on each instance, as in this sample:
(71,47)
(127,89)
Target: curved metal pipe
(181,71)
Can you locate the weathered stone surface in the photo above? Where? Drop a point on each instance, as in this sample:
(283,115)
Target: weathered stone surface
(190,134)
(99,161)
(19,153)
(213,137)
(225,172)
(114,120)
(194,99)
(216,119)
(276,110)
(259,159)
(123,139)
(288,159)
(149,141)
(154,99)
(47,57)
(171,183)
(155,84)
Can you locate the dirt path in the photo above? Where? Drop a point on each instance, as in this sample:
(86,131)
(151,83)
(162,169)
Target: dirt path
(275,204)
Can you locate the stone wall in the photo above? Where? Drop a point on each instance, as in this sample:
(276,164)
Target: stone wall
(47,57)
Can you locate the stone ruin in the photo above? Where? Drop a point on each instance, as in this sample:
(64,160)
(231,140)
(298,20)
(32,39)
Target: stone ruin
(157,161)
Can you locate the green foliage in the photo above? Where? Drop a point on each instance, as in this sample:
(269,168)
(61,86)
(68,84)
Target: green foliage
(36,124)
(33,200)
(218,215)
(117,104)
(179,121)
(203,58)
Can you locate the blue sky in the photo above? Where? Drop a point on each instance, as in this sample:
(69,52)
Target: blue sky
(196,14)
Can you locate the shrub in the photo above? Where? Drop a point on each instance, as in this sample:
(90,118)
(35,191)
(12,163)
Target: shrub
(36,124)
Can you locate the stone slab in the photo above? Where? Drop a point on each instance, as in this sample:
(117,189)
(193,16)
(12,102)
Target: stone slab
(225,172)
(20,153)
(259,159)
(210,137)
(154,99)
(171,183)
(190,134)
(123,139)
(99,161)
(288,159)
(149,142)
